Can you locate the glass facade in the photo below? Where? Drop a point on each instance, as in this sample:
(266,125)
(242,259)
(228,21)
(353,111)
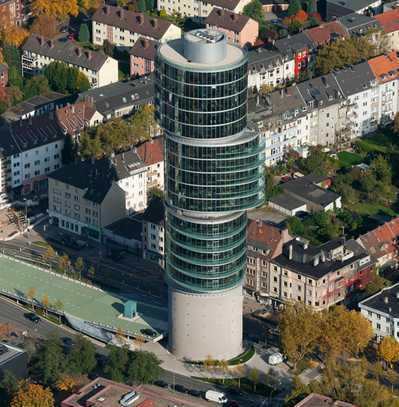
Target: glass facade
(213,172)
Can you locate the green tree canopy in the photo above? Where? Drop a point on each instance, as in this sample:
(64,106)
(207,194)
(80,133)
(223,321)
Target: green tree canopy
(294,7)
(144,367)
(65,79)
(84,33)
(37,85)
(254,10)
(82,358)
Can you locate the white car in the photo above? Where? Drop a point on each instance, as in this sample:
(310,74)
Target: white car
(129,398)
(275,359)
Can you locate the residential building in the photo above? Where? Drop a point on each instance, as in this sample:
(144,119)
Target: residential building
(317,400)
(142,57)
(200,8)
(238,28)
(13,360)
(111,188)
(304,194)
(382,310)
(11,13)
(326,32)
(3,75)
(339,8)
(275,6)
(124,27)
(125,233)
(382,243)
(360,88)
(389,22)
(151,153)
(297,47)
(358,24)
(38,52)
(121,98)
(386,71)
(154,232)
(318,276)
(210,185)
(269,67)
(30,150)
(34,106)
(77,117)
(264,242)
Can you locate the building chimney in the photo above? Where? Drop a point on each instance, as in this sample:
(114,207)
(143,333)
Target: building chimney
(79,52)
(154,22)
(290,251)
(144,43)
(386,300)
(106,10)
(121,13)
(233,16)
(140,19)
(40,39)
(316,261)
(219,11)
(89,55)
(51,43)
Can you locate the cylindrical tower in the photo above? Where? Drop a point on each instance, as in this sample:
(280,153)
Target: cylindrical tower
(213,174)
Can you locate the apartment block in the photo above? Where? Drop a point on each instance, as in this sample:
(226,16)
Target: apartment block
(11,13)
(142,57)
(326,33)
(338,8)
(30,150)
(382,310)
(111,188)
(154,232)
(264,242)
(152,154)
(238,28)
(318,276)
(38,52)
(123,27)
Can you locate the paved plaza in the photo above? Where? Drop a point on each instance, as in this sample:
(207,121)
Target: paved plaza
(79,300)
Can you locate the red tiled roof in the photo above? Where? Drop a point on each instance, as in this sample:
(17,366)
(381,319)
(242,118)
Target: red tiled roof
(385,67)
(151,152)
(381,241)
(75,118)
(322,34)
(265,235)
(389,20)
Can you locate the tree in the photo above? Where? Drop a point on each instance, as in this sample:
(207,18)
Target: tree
(55,8)
(376,284)
(150,5)
(45,302)
(65,79)
(388,350)
(254,10)
(16,36)
(254,377)
(108,48)
(117,363)
(49,362)
(300,331)
(294,7)
(64,263)
(142,7)
(265,89)
(66,383)
(49,254)
(37,85)
(82,358)
(84,33)
(144,367)
(14,77)
(32,395)
(79,266)
(8,388)
(30,295)
(318,162)
(295,226)
(45,25)
(92,271)
(143,124)
(90,5)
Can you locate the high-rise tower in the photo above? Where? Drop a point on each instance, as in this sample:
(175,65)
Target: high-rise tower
(213,173)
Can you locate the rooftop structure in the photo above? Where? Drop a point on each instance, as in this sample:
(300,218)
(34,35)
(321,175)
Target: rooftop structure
(144,48)
(339,8)
(385,67)
(358,24)
(317,400)
(326,32)
(355,79)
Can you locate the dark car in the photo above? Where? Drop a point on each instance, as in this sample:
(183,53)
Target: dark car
(180,388)
(32,317)
(195,393)
(148,332)
(161,383)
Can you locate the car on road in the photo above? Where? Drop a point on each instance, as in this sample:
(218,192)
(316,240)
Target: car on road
(194,392)
(32,317)
(275,359)
(148,332)
(161,383)
(180,388)
(216,396)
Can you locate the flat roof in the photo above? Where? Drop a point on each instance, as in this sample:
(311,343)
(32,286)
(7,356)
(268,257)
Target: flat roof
(8,352)
(102,308)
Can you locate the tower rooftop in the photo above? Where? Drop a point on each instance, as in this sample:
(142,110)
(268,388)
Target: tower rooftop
(202,49)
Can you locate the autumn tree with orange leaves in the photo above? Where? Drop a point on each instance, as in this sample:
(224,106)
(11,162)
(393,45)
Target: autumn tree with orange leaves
(55,8)
(45,25)
(33,395)
(15,36)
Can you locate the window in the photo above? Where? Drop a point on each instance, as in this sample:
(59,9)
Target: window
(275,279)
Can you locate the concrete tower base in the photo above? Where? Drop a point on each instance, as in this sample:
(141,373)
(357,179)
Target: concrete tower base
(205,325)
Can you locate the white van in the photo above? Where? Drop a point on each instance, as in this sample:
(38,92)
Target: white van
(218,397)
(129,398)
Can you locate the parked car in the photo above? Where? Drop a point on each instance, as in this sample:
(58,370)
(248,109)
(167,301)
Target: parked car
(216,396)
(180,388)
(148,332)
(275,359)
(32,317)
(195,393)
(161,383)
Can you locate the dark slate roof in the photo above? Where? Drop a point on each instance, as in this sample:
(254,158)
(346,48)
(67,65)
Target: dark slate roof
(321,91)
(287,201)
(226,4)
(352,4)
(305,189)
(144,48)
(355,79)
(263,59)
(291,44)
(386,301)
(118,95)
(129,20)
(25,135)
(227,19)
(303,257)
(96,177)
(128,228)
(358,23)
(155,212)
(66,51)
